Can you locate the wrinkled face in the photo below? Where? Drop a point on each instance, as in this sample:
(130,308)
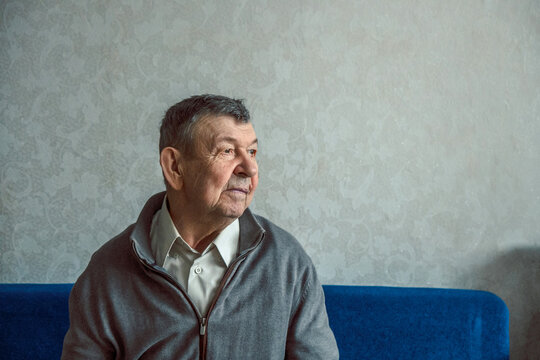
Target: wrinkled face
(221,178)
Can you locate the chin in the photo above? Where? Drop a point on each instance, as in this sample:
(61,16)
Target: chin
(234,213)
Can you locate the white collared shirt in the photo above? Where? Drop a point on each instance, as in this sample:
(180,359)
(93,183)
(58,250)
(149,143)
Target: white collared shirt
(199,274)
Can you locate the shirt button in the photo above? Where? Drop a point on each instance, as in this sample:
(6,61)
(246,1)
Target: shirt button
(198,270)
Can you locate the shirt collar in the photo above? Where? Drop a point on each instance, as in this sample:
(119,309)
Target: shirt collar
(163,234)
(227,242)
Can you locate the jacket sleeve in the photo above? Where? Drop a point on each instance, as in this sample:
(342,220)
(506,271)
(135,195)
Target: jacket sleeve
(87,334)
(309,335)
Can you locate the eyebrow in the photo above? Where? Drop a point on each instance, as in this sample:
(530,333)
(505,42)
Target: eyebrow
(234,140)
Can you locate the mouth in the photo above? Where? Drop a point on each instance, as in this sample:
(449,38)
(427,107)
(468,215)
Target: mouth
(239,190)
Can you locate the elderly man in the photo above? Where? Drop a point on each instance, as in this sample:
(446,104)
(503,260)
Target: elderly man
(199,275)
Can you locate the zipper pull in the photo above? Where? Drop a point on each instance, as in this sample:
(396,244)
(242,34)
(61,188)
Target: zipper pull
(202,327)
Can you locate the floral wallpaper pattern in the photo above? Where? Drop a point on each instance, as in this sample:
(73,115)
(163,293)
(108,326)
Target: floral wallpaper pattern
(399,141)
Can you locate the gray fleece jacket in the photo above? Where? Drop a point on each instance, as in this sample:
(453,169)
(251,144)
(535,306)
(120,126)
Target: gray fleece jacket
(270,304)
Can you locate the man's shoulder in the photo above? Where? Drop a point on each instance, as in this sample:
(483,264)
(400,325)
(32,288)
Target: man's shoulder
(107,267)
(118,242)
(269,225)
(282,241)
(121,246)
(113,251)
(273,229)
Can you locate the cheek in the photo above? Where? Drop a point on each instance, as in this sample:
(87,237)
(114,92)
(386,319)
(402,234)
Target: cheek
(254,183)
(219,178)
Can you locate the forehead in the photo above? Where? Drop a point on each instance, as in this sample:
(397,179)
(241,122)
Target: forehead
(215,129)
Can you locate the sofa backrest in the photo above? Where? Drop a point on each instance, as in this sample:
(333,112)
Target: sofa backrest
(368,322)
(33,320)
(417,323)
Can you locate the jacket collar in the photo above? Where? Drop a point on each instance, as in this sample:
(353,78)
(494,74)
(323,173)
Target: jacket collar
(250,230)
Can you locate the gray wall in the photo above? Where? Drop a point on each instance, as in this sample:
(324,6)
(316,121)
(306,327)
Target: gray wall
(400,140)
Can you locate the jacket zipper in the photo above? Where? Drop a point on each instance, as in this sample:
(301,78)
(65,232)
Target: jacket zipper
(202,327)
(202,338)
(203,321)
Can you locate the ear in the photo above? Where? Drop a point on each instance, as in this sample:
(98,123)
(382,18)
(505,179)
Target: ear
(169,160)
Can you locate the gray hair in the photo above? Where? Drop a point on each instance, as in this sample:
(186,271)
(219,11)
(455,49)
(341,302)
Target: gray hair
(178,125)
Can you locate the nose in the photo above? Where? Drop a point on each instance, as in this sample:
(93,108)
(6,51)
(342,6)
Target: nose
(247,166)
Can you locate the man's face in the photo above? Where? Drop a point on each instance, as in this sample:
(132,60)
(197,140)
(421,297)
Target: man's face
(221,177)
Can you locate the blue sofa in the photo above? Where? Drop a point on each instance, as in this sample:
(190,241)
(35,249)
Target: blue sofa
(368,322)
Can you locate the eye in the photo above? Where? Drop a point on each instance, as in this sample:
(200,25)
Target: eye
(228,151)
(252,152)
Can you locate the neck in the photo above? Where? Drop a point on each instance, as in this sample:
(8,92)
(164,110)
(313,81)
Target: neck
(198,232)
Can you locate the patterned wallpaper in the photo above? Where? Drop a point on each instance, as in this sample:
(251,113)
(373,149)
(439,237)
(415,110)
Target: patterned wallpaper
(400,141)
